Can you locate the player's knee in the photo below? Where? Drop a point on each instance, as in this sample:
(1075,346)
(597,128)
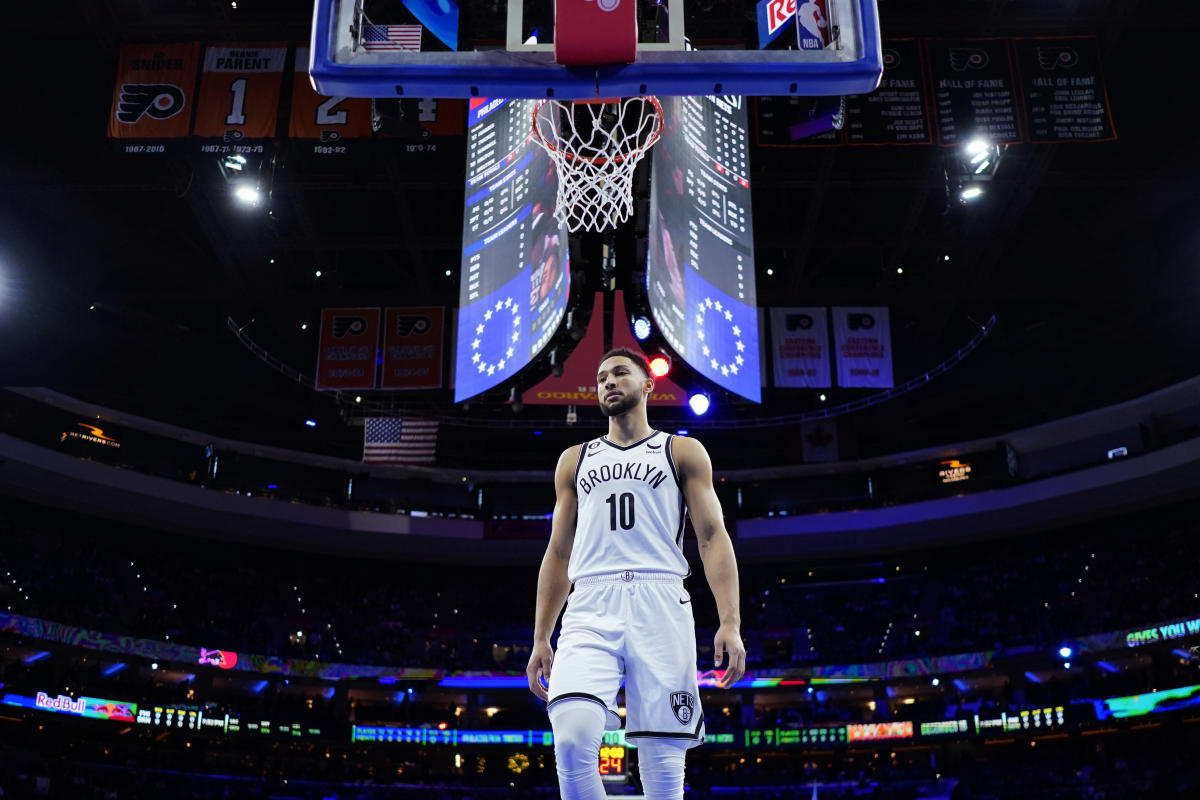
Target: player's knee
(661,764)
(578,728)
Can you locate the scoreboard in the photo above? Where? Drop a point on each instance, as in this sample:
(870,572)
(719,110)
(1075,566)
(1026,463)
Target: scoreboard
(700,264)
(612,761)
(515,278)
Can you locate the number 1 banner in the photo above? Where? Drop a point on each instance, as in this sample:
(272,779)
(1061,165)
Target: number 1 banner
(238,105)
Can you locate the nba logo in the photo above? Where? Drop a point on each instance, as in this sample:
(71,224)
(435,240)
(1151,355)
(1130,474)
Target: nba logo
(684,706)
(812,25)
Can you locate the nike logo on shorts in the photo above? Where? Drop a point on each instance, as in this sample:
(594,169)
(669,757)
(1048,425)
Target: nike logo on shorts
(683,602)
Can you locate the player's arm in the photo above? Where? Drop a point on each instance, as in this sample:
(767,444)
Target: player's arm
(553,586)
(716,551)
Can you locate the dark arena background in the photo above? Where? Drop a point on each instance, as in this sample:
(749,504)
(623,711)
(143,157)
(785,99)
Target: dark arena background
(973,578)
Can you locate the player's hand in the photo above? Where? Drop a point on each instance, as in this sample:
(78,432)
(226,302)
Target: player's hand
(540,661)
(728,642)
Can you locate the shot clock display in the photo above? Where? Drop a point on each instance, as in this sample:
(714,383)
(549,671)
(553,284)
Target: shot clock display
(612,761)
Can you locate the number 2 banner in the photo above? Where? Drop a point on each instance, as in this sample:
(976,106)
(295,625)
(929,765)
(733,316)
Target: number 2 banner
(238,105)
(330,121)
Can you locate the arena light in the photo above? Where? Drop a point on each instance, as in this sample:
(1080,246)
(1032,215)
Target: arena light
(235,162)
(311,423)
(247,194)
(1065,651)
(641,328)
(977,149)
(699,402)
(660,366)
(971,192)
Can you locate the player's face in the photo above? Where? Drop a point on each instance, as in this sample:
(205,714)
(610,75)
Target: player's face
(620,385)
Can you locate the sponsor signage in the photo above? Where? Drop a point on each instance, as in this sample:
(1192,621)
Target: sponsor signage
(954,471)
(1163,633)
(90,707)
(876,731)
(945,727)
(90,434)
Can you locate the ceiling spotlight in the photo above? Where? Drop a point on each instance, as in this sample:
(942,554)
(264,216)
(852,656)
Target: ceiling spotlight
(247,194)
(983,165)
(447,273)
(770,271)
(312,423)
(660,366)
(822,398)
(699,402)
(977,148)
(971,192)
(899,270)
(358,398)
(317,273)
(1065,651)
(303,326)
(235,162)
(641,328)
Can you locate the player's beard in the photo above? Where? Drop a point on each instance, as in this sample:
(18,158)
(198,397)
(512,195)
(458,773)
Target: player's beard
(618,408)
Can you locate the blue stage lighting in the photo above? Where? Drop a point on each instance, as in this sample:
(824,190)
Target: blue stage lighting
(1065,651)
(641,328)
(699,402)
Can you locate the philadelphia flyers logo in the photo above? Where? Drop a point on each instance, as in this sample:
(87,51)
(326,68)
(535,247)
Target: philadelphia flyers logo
(965,58)
(411,323)
(156,100)
(330,136)
(232,135)
(1051,57)
(891,58)
(349,326)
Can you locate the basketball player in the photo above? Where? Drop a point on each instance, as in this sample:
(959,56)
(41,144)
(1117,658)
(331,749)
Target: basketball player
(617,537)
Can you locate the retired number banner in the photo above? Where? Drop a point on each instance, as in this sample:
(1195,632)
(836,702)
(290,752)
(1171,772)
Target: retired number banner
(152,100)
(238,104)
(329,121)
(412,348)
(863,341)
(349,348)
(800,346)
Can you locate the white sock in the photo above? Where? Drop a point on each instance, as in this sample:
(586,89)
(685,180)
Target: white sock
(578,727)
(660,763)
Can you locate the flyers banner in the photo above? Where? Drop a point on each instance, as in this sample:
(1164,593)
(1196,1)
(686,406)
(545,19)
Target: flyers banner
(412,348)
(1065,98)
(863,340)
(800,346)
(349,348)
(897,113)
(153,96)
(238,103)
(974,91)
(328,122)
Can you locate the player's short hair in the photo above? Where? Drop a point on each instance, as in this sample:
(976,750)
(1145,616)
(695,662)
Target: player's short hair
(634,356)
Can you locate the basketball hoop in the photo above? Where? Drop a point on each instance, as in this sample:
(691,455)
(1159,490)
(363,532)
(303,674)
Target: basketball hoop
(596,145)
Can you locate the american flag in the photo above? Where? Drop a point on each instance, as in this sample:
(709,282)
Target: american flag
(392,37)
(399,440)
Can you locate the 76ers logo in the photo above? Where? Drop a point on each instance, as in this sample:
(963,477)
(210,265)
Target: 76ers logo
(683,704)
(155,100)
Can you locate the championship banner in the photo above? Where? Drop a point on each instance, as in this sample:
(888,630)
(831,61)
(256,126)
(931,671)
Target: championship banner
(800,348)
(152,100)
(238,103)
(863,340)
(328,121)
(349,348)
(412,348)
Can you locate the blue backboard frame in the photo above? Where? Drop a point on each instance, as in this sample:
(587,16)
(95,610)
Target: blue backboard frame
(337,71)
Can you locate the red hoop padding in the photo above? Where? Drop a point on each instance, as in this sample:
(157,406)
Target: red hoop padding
(595,32)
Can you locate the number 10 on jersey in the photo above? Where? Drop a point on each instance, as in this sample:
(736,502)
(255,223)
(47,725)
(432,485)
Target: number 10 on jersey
(620,509)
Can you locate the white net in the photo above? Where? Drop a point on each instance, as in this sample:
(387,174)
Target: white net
(595,147)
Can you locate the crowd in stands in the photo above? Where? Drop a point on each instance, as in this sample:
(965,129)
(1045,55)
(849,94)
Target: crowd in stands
(1020,592)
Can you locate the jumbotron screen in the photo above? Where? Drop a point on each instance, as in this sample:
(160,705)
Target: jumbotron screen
(700,271)
(515,276)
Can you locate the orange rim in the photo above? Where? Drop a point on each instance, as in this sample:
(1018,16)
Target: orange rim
(637,151)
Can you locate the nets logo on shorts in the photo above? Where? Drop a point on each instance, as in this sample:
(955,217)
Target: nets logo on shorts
(683,704)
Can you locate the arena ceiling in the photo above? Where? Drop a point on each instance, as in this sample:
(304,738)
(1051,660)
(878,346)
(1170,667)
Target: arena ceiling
(117,276)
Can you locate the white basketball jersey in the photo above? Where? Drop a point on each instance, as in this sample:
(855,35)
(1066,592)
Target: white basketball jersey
(631,509)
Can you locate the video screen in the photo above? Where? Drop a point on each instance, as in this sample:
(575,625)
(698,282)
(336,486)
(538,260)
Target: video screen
(700,275)
(515,277)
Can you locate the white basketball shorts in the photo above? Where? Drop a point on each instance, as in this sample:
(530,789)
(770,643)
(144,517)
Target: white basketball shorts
(636,625)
